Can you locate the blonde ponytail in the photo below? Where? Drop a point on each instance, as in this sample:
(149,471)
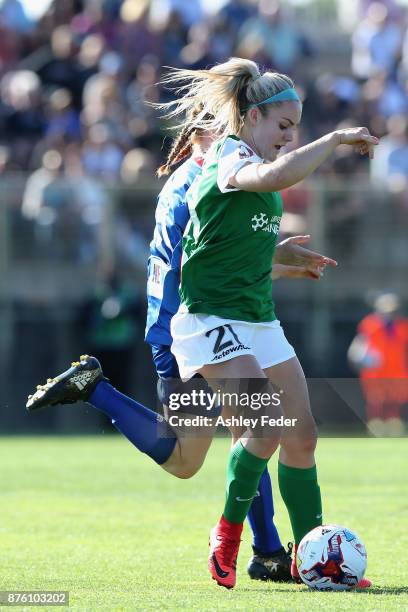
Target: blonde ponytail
(224,92)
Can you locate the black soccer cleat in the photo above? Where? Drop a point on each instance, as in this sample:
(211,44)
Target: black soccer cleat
(274,567)
(71,386)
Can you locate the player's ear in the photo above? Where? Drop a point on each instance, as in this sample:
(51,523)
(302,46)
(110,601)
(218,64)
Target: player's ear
(253,115)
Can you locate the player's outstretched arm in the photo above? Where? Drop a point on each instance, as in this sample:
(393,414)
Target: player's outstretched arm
(284,271)
(291,252)
(297,165)
(292,260)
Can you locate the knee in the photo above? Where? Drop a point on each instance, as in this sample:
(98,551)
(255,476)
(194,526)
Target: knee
(303,439)
(308,445)
(304,445)
(181,467)
(262,447)
(184,472)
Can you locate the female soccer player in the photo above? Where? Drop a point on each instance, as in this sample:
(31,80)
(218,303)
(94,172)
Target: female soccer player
(226,292)
(181,456)
(270,561)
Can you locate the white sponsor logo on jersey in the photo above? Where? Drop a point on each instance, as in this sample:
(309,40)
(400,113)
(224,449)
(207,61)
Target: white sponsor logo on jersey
(262,222)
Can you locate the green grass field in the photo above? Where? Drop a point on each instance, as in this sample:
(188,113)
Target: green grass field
(96,518)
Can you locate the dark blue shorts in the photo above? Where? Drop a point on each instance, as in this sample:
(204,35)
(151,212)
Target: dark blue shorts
(164,361)
(170,382)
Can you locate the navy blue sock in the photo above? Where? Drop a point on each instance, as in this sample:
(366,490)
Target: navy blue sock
(260,516)
(144,428)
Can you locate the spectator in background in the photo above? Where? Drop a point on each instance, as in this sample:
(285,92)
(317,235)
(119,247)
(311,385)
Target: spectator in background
(380,353)
(48,201)
(393,7)
(174,32)
(142,125)
(22,113)
(377,43)
(93,208)
(131,245)
(104,100)
(101,155)
(277,34)
(386,95)
(216,43)
(140,36)
(62,119)
(89,56)
(59,12)
(100,98)
(100,17)
(235,13)
(190,11)
(389,168)
(11,46)
(66,208)
(203,44)
(14,17)
(60,66)
(138,164)
(329,99)
(34,195)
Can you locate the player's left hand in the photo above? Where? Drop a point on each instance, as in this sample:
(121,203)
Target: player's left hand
(290,252)
(284,271)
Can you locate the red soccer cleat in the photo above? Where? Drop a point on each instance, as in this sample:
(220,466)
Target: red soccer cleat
(364,583)
(293,569)
(224,545)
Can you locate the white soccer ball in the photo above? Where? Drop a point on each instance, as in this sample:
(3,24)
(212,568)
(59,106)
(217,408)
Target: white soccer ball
(331,558)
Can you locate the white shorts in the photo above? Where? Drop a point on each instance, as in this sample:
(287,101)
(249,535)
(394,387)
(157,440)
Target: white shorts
(200,339)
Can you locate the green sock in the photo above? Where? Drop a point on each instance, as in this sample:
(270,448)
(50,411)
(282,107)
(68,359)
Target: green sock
(243,474)
(301,494)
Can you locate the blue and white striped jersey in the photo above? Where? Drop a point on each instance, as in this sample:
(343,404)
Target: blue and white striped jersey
(163,271)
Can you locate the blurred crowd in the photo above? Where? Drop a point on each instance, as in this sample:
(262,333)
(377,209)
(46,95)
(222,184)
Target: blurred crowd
(73,87)
(77,80)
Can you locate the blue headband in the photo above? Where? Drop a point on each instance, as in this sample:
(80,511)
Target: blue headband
(282,96)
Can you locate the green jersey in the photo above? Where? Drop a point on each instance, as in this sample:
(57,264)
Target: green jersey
(229,243)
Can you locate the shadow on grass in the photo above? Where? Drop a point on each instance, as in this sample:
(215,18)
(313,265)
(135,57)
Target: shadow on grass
(382,591)
(303,591)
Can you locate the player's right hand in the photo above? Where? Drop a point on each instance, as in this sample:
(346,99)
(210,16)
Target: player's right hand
(360,137)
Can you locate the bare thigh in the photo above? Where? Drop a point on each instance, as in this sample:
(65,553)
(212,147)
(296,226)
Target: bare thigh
(298,442)
(191,448)
(219,376)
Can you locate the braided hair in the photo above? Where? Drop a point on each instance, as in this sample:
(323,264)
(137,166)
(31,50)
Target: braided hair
(183,144)
(181,149)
